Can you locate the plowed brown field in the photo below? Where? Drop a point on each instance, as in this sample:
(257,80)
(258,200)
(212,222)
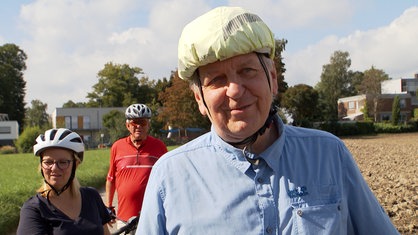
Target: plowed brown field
(389,163)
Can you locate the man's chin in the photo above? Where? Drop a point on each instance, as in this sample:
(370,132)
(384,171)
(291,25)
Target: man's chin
(239,135)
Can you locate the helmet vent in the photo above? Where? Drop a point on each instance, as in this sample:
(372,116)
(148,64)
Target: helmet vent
(237,22)
(52,135)
(76,140)
(63,135)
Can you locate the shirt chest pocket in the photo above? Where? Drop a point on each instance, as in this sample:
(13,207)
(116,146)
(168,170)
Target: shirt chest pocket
(318,219)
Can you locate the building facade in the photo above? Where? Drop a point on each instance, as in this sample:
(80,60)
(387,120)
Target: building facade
(9,130)
(87,122)
(351,108)
(402,86)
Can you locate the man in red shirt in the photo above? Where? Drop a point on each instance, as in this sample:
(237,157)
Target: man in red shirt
(131,160)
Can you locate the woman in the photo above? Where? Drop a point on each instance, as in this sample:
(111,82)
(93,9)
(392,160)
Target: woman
(61,206)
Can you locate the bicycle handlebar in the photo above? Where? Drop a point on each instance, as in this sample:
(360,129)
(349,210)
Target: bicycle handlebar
(130,226)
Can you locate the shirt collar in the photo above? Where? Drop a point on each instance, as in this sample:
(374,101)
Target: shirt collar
(273,153)
(235,155)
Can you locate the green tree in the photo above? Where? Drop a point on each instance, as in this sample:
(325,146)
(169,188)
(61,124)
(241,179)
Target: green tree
(179,107)
(301,102)
(365,111)
(28,137)
(396,110)
(280,68)
(118,86)
(36,115)
(356,79)
(12,84)
(335,83)
(158,124)
(71,104)
(415,114)
(147,92)
(114,122)
(370,86)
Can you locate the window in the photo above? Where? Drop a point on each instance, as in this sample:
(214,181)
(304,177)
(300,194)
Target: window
(5,130)
(402,103)
(351,105)
(385,117)
(86,122)
(70,122)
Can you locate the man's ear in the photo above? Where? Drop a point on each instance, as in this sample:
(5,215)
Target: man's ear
(199,100)
(273,77)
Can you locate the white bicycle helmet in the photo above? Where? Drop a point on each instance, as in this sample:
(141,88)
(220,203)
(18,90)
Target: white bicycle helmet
(137,111)
(220,34)
(59,138)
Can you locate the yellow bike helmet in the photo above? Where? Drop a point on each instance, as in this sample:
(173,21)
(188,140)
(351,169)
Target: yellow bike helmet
(219,34)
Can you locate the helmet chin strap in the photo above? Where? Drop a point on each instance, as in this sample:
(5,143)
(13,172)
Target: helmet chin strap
(252,138)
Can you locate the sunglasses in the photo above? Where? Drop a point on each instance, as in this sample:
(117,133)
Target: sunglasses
(138,122)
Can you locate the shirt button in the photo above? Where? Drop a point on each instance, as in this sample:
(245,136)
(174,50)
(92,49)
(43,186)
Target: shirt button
(260,180)
(300,213)
(269,230)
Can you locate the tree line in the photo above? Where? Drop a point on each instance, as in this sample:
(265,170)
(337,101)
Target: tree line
(171,100)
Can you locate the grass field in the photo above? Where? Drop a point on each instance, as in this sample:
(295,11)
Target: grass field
(20,178)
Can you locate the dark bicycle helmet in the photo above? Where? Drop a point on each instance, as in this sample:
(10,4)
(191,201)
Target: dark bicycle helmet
(138,111)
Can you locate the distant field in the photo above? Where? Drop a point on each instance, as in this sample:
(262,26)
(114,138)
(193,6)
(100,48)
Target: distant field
(389,163)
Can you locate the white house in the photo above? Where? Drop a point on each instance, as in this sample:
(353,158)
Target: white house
(9,130)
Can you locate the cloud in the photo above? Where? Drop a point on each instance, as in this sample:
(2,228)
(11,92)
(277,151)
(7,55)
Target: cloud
(69,42)
(391,48)
(284,14)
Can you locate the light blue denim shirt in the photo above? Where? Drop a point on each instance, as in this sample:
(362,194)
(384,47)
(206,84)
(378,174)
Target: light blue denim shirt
(308,183)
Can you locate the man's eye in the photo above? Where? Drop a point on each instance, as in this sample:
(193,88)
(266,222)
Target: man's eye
(63,162)
(248,71)
(215,82)
(48,162)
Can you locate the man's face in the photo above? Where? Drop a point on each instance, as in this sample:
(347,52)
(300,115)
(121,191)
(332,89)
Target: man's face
(138,127)
(237,95)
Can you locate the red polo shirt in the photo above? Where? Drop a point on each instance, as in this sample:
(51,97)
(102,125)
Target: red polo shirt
(129,169)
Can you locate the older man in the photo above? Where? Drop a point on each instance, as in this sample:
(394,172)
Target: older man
(131,160)
(251,174)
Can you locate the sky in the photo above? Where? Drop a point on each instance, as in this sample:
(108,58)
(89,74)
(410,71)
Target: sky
(69,41)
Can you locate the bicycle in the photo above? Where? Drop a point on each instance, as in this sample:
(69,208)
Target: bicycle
(130,225)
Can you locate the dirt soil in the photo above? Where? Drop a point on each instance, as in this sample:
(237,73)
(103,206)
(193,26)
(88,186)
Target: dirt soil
(389,163)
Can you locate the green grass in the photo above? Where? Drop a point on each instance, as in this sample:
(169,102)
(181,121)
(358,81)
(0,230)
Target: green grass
(20,178)
(172,147)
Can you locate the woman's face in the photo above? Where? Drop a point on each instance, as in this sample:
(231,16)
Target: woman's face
(237,95)
(56,166)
